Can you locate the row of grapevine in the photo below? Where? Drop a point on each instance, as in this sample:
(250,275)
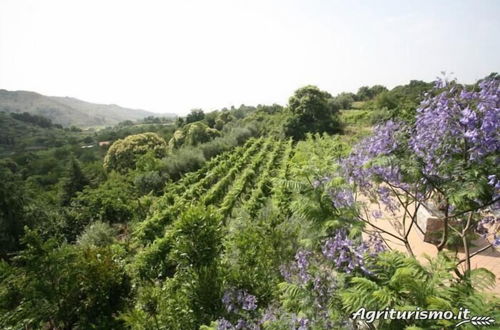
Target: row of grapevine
(219,190)
(169,207)
(151,262)
(222,168)
(246,178)
(248,172)
(263,186)
(218,161)
(279,191)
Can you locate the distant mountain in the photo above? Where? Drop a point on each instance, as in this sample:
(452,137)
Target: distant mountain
(69,111)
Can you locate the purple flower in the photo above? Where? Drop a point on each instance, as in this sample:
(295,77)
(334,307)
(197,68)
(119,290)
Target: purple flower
(342,198)
(496,241)
(223,324)
(450,123)
(484,225)
(377,214)
(303,323)
(233,300)
(269,315)
(302,263)
(345,254)
(249,302)
(241,324)
(286,273)
(376,244)
(494,182)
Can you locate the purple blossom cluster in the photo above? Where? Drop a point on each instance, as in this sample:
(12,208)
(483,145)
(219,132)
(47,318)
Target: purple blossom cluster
(233,300)
(302,323)
(488,225)
(343,197)
(376,244)
(458,122)
(241,324)
(346,254)
(237,301)
(302,265)
(385,197)
(377,214)
(358,167)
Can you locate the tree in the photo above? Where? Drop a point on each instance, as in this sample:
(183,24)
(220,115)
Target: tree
(62,287)
(366,93)
(123,154)
(210,118)
(446,157)
(195,115)
(363,93)
(73,183)
(192,135)
(12,213)
(179,122)
(344,100)
(114,201)
(311,110)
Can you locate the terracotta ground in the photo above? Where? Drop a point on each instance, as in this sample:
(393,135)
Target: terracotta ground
(489,259)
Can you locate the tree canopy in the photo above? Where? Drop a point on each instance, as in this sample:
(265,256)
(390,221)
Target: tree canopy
(123,154)
(311,110)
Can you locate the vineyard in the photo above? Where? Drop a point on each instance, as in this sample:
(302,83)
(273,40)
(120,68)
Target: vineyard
(243,179)
(274,222)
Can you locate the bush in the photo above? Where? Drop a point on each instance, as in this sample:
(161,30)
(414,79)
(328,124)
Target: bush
(97,234)
(62,287)
(184,160)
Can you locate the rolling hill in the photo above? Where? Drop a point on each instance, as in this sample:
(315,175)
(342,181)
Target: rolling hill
(69,111)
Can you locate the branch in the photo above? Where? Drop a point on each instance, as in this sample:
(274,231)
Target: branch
(476,253)
(475,209)
(382,230)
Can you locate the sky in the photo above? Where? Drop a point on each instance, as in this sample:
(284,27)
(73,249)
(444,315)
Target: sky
(173,56)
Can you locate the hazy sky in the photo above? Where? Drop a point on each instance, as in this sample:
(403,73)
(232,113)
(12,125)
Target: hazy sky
(172,56)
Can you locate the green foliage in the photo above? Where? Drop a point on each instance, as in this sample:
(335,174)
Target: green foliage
(195,115)
(97,234)
(62,287)
(255,248)
(12,210)
(192,135)
(19,134)
(366,93)
(123,154)
(186,301)
(401,282)
(192,240)
(217,210)
(344,100)
(311,110)
(196,237)
(400,102)
(114,201)
(73,183)
(190,294)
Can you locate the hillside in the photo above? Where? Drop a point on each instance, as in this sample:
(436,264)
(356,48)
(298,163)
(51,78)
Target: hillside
(264,217)
(68,111)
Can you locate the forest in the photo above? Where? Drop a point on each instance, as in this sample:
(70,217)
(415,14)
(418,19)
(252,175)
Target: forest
(257,217)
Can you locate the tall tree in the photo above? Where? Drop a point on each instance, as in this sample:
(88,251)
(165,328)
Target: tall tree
(195,115)
(73,183)
(12,215)
(311,110)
